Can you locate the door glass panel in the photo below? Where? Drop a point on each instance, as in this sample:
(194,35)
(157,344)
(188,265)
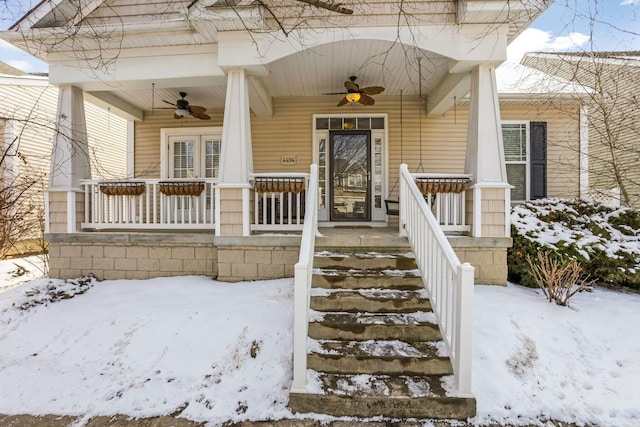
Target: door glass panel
(183,161)
(350,166)
(322,167)
(212,158)
(377,173)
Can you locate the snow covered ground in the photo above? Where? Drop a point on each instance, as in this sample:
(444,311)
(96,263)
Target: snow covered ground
(217,351)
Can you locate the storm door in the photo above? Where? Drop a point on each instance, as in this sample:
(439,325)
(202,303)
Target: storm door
(350,170)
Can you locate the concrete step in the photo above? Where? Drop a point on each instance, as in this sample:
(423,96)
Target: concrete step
(365,260)
(379,357)
(409,327)
(369,300)
(362,279)
(387,396)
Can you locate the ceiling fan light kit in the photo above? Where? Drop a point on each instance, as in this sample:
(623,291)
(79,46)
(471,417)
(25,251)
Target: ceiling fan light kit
(353,97)
(355,94)
(183,109)
(181,112)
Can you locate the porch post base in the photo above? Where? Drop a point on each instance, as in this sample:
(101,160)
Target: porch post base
(233,209)
(64,210)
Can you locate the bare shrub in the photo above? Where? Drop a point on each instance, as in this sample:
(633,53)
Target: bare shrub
(559,278)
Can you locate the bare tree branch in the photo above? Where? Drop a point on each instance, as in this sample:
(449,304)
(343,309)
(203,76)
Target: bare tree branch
(329,6)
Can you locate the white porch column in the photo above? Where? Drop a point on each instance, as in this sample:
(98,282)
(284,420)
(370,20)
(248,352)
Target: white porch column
(236,159)
(69,163)
(485,157)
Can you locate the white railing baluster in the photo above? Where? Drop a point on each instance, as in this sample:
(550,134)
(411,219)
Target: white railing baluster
(148,209)
(449,283)
(278,201)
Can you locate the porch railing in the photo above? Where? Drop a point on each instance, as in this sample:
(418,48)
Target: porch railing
(150,203)
(302,285)
(450,283)
(445,197)
(279,201)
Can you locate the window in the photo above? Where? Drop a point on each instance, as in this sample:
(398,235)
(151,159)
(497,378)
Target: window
(516,143)
(191,152)
(525,156)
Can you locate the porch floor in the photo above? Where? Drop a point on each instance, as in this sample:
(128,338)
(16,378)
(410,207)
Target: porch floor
(363,237)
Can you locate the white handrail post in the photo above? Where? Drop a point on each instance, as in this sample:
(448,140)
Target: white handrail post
(299,384)
(302,285)
(402,206)
(464,324)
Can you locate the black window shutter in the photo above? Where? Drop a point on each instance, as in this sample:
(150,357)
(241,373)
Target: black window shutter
(538,161)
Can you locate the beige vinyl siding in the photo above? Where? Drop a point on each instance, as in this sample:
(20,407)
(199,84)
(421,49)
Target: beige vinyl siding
(563,144)
(107,135)
(618,78)
(33,114)
(289,132)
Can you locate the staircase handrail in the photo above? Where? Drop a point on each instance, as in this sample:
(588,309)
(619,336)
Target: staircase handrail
(448,281)
(302,285)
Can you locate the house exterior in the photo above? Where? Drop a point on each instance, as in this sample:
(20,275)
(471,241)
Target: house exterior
(261,72)
(27,127)
(545,134)
(612,115)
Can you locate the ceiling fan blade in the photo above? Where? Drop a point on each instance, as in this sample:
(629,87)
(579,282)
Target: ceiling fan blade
(170,103)
(197,109)
(201,116)
(372,90)
(366,100)
(351,86)
(343,101)
(334,93)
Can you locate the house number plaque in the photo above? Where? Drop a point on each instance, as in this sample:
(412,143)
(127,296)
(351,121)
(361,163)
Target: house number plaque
(288,160)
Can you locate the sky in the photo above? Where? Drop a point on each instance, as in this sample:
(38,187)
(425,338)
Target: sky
(568,25)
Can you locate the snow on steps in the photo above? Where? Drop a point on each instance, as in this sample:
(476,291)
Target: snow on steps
(374,346)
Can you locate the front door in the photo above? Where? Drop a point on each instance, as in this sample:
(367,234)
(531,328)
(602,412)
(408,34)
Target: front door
(350,169)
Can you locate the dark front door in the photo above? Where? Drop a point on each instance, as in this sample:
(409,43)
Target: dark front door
(350,167)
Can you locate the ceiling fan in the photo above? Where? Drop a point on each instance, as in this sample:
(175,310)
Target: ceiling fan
(183,109)
(355,94)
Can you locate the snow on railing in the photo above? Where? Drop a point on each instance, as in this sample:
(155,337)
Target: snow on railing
(450,283)
(150,204)
(445,197)
(279,202)
(302,285)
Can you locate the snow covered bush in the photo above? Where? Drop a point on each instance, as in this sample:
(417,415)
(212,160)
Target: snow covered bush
(605,240)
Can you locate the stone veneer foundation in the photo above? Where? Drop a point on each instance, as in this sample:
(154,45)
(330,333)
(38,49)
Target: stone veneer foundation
(117,255)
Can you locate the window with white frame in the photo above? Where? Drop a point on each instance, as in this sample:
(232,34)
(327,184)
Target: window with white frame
(191,153)
(525,152)
(515,136)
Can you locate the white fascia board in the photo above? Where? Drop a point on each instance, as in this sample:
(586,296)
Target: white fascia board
(473,42)
(194,66)
(37,41)
(497,8)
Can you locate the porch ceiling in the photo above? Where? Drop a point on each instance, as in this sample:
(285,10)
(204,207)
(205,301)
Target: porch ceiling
(312,72)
